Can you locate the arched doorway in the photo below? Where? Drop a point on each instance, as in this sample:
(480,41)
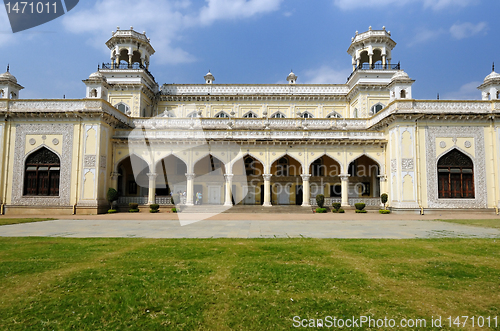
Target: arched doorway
(209,180)
(171,178)
(247,181)
(42,173)
(455,176)
(286,180)
(363,180)
(133,181)
(325,179)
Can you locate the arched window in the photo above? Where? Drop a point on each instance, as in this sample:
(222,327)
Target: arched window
(455,176)
(222,115)
(306,115)
(193,114)
(41,176)
(333,115)
(282,167)
(403,94)
(123,108)
(1,94)
(93,93)
(278,115)
(250,114)
(376,108)
(317,167)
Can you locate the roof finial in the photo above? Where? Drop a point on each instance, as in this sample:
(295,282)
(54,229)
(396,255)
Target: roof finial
(8,67)
(493,67)
(438,96)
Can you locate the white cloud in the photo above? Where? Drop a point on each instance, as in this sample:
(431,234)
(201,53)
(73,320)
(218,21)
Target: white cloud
(325,75)
(466,30)
(164,29)
(234,9)
(433,4)
(467,91)
(423,35)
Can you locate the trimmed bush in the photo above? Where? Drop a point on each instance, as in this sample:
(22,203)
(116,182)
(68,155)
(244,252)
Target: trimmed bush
(320,210)
(111,196)
(384,198)
(174,210)
(384,211)
(112,211)
(336,205)
(133,205)
(320,200)
(361,211)
(341,211)
(154,208)
(133,210)
(359,206)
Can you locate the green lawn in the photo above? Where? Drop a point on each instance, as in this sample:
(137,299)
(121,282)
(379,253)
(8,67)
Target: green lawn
(226,284)
(494,223)
(8,221)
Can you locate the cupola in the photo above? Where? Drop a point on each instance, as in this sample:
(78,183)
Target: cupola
(9,88)
(291,78)
(490,89)
(97,86)
(400,86)
(209,78)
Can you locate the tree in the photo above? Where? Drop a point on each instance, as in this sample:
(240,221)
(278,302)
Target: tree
(384,197)
(111,196)
(320,200)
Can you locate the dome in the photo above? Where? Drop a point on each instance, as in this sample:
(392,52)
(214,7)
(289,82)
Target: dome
(493,75)
(8,76)
(400,75)
(97,75)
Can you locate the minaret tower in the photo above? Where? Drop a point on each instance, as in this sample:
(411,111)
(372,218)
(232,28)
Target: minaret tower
(132,88)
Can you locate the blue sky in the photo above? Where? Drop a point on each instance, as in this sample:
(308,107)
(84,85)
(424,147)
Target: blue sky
(447,46)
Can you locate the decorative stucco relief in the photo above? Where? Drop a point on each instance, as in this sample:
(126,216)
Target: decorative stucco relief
(89,161)
(477,133)
(66,130)
(407,164)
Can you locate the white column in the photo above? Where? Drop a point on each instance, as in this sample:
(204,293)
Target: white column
(345,190)
(189,189)
(267,190)
(384,60)
(229,187)
(306,189)
(152,188)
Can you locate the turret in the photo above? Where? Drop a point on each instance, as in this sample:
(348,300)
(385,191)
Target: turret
(490,89)
(9,88)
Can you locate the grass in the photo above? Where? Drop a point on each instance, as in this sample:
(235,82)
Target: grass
(492,223)
(8,221)
(234,284)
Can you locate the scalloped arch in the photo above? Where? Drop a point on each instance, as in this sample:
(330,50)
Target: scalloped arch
(330,156)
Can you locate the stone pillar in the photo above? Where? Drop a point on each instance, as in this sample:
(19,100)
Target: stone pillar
(345,190)
(130,59)
(152,188)
(384,61)
(267,190)
(114,180)
(112,63)
(190,189)
(229,187)
(306,190)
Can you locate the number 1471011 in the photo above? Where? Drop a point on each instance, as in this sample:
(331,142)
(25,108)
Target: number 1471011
(474,321)
(25,7)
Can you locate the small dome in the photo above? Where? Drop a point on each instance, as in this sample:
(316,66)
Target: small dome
(291,78)
(97,75)
(8,76)
(493,75)
(400,75)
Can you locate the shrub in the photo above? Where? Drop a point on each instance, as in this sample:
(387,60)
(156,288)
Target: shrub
(112,211)
(359,206)
(383,198)
(320,210)
(336,205)
(174,210)
(320,200)
(111,196)
(384,211)
(341,211)
(361,211)
(133,210)
(133,205)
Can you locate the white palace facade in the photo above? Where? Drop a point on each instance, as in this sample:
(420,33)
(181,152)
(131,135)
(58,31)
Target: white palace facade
(256,144)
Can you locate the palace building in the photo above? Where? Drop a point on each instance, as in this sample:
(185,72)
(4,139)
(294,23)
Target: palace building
(254,144)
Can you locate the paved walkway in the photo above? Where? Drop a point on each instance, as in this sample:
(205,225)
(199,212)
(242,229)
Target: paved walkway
(281,228)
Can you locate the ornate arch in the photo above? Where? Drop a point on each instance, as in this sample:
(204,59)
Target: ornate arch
(156,162)
(115,168)
(333,114)
(221,114)
(278,113)
(242,157)
(330,156)
(379,165)
(280,156)
(250,114)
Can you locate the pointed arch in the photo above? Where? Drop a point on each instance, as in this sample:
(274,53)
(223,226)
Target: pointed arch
(282,155)
(250,114)
(241,156)
(455,172)
(376,108)
(340,170)
(333,114)
(213,164)
(117,164)
(221,114)
(42,172)
(370,171)
(123,107)
(306,114)
(192,114)
(278,114)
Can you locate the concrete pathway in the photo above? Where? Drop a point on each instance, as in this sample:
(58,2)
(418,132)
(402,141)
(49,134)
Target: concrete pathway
(397,229)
